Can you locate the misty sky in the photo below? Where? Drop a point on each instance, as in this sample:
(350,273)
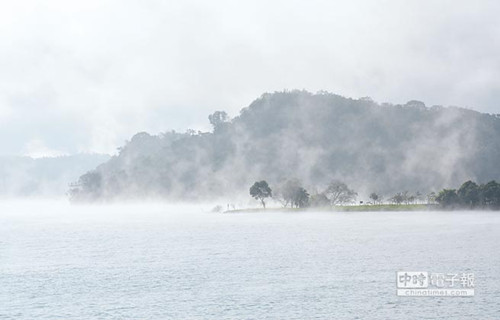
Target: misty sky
(83,76)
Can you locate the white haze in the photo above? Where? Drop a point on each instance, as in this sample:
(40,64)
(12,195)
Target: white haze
(83,76)
(45,177)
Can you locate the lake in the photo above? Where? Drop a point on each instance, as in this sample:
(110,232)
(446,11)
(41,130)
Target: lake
(181,262)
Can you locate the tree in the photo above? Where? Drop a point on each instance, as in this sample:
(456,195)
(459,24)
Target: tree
(410,199)
(319,200)
(375,197)
(218,119)
(398,198)
(261,190)
(406,197)
(419,196)
(415,104)
(490,194)
(447,198)
(468,194)
(301,198)
(431,197)
(286,192)
(291,192)
(88,187)
(337,193)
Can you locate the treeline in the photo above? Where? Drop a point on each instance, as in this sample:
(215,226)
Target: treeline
(470,195)
(292,193)
(405,197)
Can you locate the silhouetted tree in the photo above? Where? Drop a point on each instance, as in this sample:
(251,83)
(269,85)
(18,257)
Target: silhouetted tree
(410,199)
(88,187)
(431,197)
(291,192)
(447,198)
(398,198)
(406,197)
(337,193)
(419,197)
(218,119)
(375,197)
(319,200)
(261,190)
(490,194)
(468,194)
(301,198)
(286,192)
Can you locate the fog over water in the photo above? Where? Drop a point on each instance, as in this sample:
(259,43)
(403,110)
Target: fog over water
(128,127)
(169,262)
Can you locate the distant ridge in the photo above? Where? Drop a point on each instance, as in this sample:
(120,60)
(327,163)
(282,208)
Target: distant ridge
(43,177)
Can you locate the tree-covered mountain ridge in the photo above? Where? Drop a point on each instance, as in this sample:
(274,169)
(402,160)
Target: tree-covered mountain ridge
(315,138)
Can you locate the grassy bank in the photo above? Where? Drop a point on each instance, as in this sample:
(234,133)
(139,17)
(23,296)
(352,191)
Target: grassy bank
(386,207)
(355,208)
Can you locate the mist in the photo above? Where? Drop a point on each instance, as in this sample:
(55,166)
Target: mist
(45,177)
(249,159)
(85,77)
(314,138)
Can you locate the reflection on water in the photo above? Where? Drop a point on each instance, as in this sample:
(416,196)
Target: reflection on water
(160,262)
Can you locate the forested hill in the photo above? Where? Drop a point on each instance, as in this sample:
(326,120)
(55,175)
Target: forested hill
(315,138)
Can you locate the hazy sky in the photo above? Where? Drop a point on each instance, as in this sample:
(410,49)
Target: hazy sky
(83,76)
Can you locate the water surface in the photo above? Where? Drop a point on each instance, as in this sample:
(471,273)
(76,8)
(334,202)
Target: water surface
(165,262)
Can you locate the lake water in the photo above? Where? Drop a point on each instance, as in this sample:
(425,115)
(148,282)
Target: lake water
(164,262)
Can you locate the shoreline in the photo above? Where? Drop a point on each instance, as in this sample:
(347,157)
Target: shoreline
(353,208)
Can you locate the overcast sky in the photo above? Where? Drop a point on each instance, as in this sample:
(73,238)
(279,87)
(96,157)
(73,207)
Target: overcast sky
(83,76)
